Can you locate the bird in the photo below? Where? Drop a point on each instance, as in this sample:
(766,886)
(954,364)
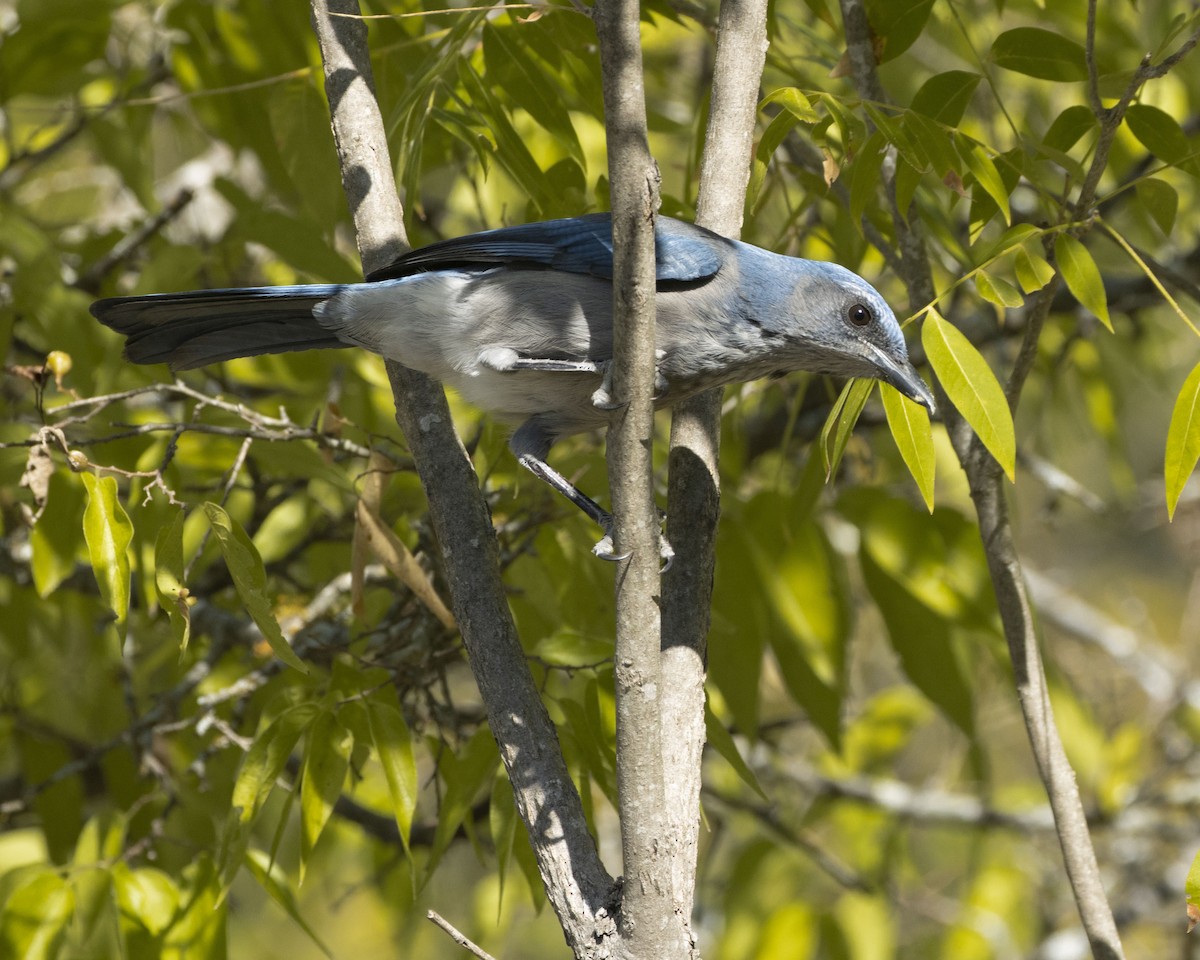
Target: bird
(519,321)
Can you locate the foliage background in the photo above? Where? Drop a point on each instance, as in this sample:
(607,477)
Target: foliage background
(855,644)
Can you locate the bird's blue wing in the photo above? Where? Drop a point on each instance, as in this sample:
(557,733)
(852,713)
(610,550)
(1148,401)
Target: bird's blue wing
(683,252)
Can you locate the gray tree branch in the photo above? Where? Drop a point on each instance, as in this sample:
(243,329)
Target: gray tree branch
(649,923)
(576,882)
(694,488)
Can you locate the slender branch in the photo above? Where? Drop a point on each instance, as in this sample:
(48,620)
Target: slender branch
(694,485)
(577,884)
(649,923)
(457,937)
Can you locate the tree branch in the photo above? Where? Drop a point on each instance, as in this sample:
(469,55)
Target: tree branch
(576,883)
(694,497)
(649,924)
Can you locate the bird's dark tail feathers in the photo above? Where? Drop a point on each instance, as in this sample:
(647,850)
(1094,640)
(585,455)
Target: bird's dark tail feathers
(192,329)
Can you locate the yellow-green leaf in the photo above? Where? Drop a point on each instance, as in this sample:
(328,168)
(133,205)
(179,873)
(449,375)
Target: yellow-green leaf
(36,913)
(108,533)
(1183,439)
(250,578)
(972,388)
(1033,272)
(909,423)
(325,763)
(1082,276)
(997,290)
(986,175)
(393,744)
(168,579)
(843,416)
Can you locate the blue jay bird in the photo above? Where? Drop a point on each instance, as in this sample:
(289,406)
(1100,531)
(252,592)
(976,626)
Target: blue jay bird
(519,321)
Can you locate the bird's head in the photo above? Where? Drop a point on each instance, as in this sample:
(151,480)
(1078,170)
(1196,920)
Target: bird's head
(843,326)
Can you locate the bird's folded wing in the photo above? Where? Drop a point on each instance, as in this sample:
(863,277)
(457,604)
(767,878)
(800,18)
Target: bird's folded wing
(683,252)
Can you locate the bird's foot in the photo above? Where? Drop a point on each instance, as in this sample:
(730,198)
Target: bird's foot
(605,550)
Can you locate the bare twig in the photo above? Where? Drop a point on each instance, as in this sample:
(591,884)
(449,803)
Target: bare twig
(457,937)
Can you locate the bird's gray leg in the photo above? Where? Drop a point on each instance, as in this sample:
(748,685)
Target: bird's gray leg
(530,444)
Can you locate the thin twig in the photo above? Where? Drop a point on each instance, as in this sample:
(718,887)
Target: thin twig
(457,937)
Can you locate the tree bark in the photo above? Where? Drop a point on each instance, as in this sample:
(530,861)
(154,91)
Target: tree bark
(577,885)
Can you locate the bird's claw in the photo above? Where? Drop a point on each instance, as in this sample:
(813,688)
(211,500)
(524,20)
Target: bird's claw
(605,550)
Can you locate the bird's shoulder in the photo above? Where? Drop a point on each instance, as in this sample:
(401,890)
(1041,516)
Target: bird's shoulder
(684,252)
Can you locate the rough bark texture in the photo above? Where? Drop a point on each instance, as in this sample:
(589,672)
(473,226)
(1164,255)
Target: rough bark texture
(577,885)
(649,925)
(694,500)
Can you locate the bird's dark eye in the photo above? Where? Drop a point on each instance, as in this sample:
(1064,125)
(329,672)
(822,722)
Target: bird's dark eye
(859,314)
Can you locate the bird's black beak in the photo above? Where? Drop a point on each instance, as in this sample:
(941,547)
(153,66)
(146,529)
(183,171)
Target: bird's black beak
(902,375)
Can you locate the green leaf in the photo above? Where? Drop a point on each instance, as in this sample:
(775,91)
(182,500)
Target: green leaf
(1191,885)
(986,174)
(1082,276)
(997,290)
(1183,439)
(923,641)
(913,433)
(1158,132)
(972,388)
(865,171)
(108,532)
(1068,127)
(945,96)
(250,578)
(54,540)
(1033,271)
(168,579)
(511,66)
(267,756)
(465,774)
(1160,200)
(844,415)
(1040,53)
(146,895)
(720,740)
(325,764)
(777,130)
(198,932)
(393,744)
(272,878)
(502,820)
(35,917)
(897,24)
(794,101)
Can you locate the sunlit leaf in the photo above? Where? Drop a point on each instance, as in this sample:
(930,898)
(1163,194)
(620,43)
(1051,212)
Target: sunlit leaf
(972,388)
(1158,132)
(146,895)
(841,421)
(168,579)
(393,745)
(35,917)
(794,101)
(913,433)
(250,578)
(326,760)
(1183,439)
(997,290)
(465,774)
(1082,276)
(1033,271)
(267,756)
(108,531)
(986,174)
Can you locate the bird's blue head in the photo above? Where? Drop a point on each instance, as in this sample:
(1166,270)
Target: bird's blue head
(843,326)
